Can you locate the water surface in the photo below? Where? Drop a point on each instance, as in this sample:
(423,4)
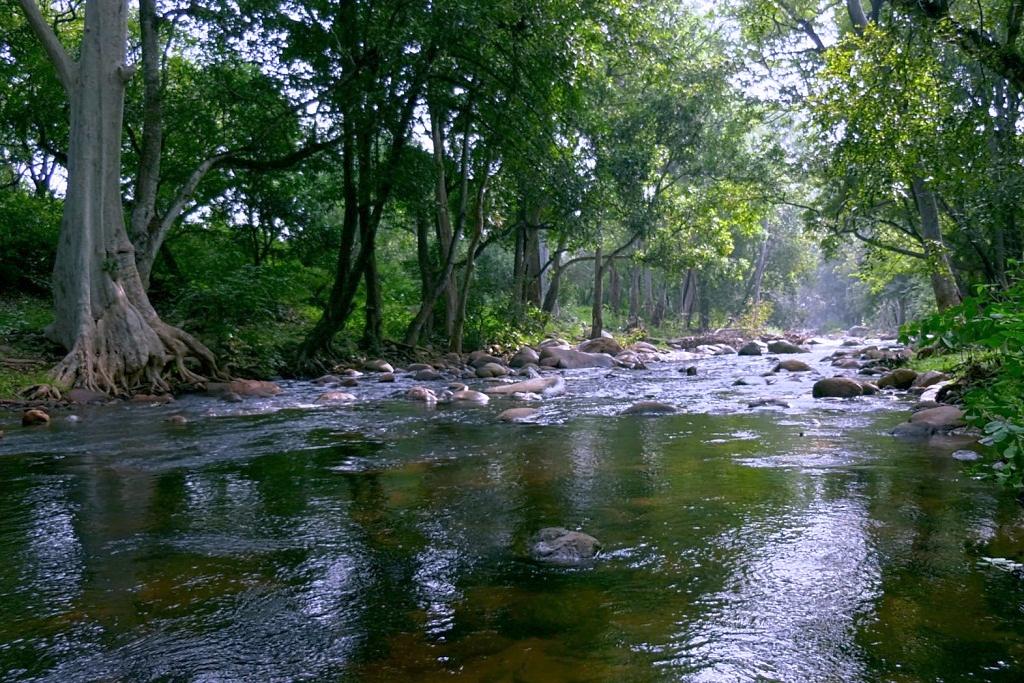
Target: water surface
(277,540)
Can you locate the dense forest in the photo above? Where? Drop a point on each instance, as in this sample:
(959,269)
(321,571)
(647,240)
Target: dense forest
(259,189)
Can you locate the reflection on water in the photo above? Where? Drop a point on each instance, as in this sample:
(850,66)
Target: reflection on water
(390,544)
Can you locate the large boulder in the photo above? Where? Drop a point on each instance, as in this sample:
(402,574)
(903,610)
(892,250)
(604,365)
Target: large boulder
(837,387)
(649,408)
(783,346)
(792,365)
(244,387)
(524,356)
(547,387)
(572,359)
(752,348)
(556,545)
(601,345)
(465,396)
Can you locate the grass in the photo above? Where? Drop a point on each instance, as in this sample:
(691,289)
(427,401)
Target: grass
(22,321)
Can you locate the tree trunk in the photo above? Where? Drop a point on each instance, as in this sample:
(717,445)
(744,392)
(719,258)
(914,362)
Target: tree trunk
(426,273)
(947,294)
(597,311)
(614,290)
(458,329)
(550,305)
(115,340)
(634,296)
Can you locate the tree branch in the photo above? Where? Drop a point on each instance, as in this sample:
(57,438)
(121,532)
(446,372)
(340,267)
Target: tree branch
(59,57)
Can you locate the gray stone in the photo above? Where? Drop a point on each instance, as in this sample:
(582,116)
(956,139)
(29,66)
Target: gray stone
(649,408)
(559,546)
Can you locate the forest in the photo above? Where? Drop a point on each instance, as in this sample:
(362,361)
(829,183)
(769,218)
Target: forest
(203,195)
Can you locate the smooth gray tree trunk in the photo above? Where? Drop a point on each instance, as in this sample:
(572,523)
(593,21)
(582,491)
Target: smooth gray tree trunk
(102,316)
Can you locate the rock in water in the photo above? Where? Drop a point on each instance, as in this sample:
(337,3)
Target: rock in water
(649,408)
(601,345)
(524,356)
(966,456)
(571,359)
(33,417)
(555,545)
(491,370)
(335,397)
(837,387)
(792,365)
(518,414)
(941,419)
(378,365)
(244,387)
(750,349)
(427,375)
(783,346)
(900,378)
(548,387)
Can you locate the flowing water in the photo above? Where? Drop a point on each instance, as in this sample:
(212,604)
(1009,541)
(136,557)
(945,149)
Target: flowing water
(278,540)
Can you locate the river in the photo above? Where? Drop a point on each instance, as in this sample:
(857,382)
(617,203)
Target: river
(281,540)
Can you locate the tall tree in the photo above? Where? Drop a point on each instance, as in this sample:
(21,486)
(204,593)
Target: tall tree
(103,317)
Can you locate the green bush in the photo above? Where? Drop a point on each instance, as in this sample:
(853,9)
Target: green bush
(988,330)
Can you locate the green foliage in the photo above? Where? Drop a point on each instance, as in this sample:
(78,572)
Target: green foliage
(988,330)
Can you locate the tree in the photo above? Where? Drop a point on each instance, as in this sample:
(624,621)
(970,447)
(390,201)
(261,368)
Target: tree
(103,317)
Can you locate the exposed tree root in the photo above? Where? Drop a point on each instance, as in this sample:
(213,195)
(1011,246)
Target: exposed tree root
(123,353)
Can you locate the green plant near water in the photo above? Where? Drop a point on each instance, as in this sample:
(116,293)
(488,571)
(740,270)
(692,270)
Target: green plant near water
(988,330)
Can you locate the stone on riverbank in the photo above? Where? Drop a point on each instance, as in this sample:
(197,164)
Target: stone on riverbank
(555,545)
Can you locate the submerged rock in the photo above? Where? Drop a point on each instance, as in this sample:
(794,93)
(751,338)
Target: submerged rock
(244,387)
(966,456)
(792,365)
(768,402)
(422,394)
(335,397)
(912,430)
(649,408)
(555,545)
(837,387)
(518,414)
(177,420)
